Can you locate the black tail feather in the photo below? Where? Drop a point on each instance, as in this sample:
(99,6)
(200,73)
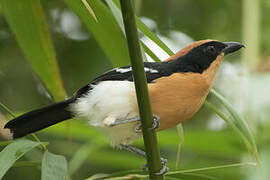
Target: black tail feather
(40,118)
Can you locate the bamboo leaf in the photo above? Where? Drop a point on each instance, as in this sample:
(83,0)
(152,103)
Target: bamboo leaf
(235,121)
(153,36)
(26,163)
(5,143)
(27,21)
(116,13)
(119,176)
(79,157)
(147,32)
(212,168)
(97,176)
(54,167)
(4,107)
(115,8)
(180,132)
(150,52)
(193,176)
(14,151)
(172,178)
(106,31)
(185,174)
(89,9)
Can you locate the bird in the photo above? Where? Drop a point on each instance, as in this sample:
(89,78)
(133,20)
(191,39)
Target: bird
(178,87)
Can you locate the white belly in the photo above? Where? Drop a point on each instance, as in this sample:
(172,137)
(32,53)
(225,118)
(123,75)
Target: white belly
(107,102)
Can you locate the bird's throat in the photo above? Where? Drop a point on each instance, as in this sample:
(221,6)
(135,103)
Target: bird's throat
(210,73)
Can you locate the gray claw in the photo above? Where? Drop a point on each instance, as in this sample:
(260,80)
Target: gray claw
(164,161)
(144,167)
(162,171)
(164,167)
(138,129)
(156,122)
(155,125)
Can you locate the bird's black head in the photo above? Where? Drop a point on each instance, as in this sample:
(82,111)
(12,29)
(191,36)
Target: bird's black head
(200,57)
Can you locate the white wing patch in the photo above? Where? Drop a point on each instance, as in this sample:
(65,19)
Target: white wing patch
(124,70)
(146,69)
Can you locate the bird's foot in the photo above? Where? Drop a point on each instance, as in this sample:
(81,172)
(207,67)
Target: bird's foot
(155,125)
(143,154)
(162,171)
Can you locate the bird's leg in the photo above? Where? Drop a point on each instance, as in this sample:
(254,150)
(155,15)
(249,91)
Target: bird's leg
(143,154)
(138,128)
(133,150)
(124,121)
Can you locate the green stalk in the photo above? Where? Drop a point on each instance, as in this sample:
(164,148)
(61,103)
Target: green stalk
(251,32)
(149,136)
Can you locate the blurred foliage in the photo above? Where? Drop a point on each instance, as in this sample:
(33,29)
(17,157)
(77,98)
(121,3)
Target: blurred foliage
(13,152)
(81,57)
(35,44)
(54,167)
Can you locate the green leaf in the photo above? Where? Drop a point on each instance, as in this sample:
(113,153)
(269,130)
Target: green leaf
(153,36)
(26,163)
(116,13)
(127,175)
(11,153)
(54,167)
(235,121)
(90,9)
(5,143)
(147,32)
(150,52)
(118,17)
(180,132)
(192,176)
(172,178)
(180,174)
(115,8)
(4,107)
(79,157)
(98,176)
(105,30)
(211,168)
(27,21)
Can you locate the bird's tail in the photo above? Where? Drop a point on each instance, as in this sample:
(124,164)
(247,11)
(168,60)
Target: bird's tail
(40,118)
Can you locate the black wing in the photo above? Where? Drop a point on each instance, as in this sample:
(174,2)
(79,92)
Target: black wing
(153,70)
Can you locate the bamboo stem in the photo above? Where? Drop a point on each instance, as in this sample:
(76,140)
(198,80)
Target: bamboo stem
(149,136)
(251,31)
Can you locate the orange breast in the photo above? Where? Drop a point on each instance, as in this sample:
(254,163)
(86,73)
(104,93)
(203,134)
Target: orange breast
(178,97)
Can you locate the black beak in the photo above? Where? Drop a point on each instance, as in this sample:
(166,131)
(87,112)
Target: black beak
(232,47)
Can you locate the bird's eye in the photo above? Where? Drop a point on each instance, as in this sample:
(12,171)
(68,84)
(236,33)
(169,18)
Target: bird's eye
(210,50)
